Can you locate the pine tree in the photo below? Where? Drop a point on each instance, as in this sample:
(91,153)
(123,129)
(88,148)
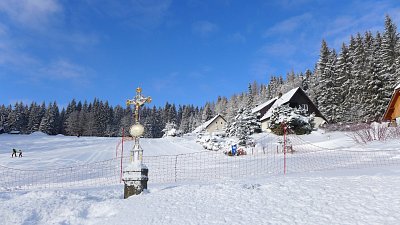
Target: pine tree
(61,122)
(370,90)
(358,74)
(232,108)
(263,94)
(207,114)
(72,124)
(250,98)
(50,120)
(185,122)
(321,73)
(389,55)
(297,120)
(221,106)
(118,115)
(36,114)
(397,64)
(244,124)
(326,97)
(18,118)
(4,115)
(343,69)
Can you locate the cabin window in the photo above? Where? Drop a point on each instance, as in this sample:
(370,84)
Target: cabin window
(304,106)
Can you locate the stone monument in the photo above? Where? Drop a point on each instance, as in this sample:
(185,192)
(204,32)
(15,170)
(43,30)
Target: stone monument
(135,175)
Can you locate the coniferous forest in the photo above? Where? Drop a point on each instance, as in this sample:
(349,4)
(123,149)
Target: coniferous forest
(353,84)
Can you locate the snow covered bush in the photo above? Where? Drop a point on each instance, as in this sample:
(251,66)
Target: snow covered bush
(375,132)
(346,127)
(395,132)
(215,141)
(171,130)
(244,124)
(297,120)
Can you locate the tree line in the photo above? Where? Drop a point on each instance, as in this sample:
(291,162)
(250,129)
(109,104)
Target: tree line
(353,85)
(96,118)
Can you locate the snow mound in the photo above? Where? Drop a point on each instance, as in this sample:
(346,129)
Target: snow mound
(38,133)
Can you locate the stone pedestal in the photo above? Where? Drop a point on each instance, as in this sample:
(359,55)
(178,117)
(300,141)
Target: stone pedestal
(135,177)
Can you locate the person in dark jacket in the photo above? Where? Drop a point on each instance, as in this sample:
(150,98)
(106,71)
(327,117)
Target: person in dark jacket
(14,153)
(20,153)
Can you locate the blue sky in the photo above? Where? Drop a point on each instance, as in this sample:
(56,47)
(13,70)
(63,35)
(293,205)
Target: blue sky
(185,52)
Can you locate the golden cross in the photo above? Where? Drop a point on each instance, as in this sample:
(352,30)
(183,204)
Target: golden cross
(138,101)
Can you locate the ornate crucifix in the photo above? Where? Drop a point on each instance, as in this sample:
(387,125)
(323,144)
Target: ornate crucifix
(137,129)
(135,174)
(138,101)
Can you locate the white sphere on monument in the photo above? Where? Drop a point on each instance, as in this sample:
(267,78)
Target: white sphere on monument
(136,130)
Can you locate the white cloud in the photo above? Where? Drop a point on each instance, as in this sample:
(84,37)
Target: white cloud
(237,37)
(166,83)
(17,60)
(66,70)
(280,49)
(140,14)
(262,69)
(288,25)
(3,30)
(200,73)
(370,16)
(204,28)
(30,13)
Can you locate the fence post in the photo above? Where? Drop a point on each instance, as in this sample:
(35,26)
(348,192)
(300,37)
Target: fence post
(284,148)
(176,162)
(122,154)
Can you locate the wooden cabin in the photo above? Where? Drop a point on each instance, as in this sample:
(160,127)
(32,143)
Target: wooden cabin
(392,113)
(216,124)
(261,109)
(294,98)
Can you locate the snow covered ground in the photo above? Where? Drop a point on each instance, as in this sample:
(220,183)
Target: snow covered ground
(41,151)
(341,196)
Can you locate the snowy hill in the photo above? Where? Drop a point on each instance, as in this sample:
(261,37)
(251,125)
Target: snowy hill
(43,151)
(345,195)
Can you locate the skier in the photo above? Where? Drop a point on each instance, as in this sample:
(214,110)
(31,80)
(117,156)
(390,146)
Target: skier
(14,153)
(20,153)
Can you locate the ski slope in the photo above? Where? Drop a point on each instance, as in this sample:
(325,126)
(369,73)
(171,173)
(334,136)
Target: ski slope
(340,196)
(41,151)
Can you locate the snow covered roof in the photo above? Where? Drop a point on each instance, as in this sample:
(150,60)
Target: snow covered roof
(206,124)
(280,101)
(258,108)
(397,87)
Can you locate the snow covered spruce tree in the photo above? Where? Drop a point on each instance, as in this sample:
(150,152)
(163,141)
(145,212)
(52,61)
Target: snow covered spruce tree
(18,118)
(245,123)
(297,120)
(49,123)
(171,130)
